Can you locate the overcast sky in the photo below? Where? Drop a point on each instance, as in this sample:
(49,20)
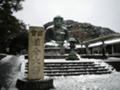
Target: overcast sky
(104,13)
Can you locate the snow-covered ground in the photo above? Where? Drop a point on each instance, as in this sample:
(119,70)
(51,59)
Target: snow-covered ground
(117,40)
(88,82)
(9,70)
(82,82)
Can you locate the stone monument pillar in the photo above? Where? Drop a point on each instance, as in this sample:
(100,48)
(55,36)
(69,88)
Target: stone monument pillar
(35,79)
(36,53)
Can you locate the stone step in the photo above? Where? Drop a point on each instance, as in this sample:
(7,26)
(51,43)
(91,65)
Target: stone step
(55,56)
(72,68)
(73,73)
(78,73)
(75,70)
(69,63)
(76,67)
(52,56)
(67,69)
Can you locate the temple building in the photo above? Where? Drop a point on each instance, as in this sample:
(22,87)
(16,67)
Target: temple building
(106,45)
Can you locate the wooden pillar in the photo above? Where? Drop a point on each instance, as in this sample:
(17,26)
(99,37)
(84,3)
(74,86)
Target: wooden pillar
(112,49)
(87,49)
(103,49)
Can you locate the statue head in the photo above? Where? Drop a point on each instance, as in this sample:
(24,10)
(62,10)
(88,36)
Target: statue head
(58,21)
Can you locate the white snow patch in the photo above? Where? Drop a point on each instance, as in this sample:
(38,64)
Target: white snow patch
(95,44)
(51,26)
(63,60)
(112,41)
(23,63)
(51,43)
(6,59)
(79,46)
(82,82)
(117,40)
(66,44)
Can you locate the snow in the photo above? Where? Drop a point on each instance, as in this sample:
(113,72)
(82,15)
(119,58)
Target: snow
(117,40)
(81,82)
(51,26)
(66,44)
(112,41)
(10,68)
(63,60)
(6,59)
(88,82)
(95,44)
(79,46)
(51,43)
(22,69)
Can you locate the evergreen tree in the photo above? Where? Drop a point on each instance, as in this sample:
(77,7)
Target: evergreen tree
(9,24)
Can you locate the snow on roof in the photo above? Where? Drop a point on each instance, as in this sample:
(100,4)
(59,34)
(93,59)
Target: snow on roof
(51,43)
(112,41)
(95,44)
(51,26)
(66,44)
(79,46)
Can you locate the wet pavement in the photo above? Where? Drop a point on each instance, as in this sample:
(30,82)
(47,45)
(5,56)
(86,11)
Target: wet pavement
(9,71)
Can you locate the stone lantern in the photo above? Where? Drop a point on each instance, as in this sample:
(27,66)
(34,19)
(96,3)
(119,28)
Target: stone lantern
(72,42)
(72,55)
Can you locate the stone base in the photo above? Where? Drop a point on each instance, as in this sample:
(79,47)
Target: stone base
(24,84)
(72,56)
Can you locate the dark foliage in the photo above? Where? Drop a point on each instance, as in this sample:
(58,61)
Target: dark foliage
(20,42)
(84,31)
(10,26)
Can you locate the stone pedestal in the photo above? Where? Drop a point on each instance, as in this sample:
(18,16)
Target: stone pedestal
(25,84)
(72,56)
(35,79)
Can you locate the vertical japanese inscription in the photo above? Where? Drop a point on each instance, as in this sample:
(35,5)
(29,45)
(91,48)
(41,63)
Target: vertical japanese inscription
(36,53)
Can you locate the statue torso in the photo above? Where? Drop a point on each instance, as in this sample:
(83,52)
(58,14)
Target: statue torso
(59,34)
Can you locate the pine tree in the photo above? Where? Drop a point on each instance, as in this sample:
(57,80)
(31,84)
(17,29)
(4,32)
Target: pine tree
(9,24)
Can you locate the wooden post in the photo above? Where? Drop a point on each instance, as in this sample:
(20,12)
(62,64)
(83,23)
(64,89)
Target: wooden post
(103,49)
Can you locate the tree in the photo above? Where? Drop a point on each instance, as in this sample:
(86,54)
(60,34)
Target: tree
(20,42)
(9,24)
(80,36)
